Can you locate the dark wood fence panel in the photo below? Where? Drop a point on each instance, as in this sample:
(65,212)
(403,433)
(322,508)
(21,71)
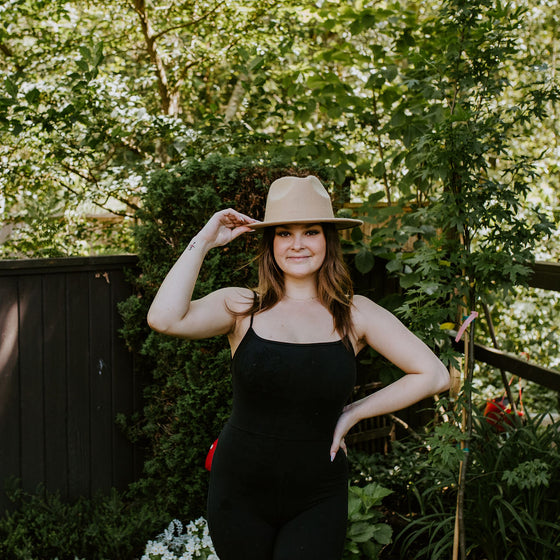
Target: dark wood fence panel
(546,275)
(64,376)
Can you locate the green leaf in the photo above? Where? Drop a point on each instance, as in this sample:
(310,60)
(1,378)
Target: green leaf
(376,492)
(33,96)
(364,260)
(376,197)
(17,127)
(11,87)
(379,169)
(354,504)
(409,280)
(356,235)
(390,72)
(82,65)
(98,55)
(383,533)
(394,265)
(371,549)
(255,63)
(361,531)
(85,52)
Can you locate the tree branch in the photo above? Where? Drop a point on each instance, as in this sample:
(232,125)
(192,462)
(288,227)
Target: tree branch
(189,23)
(10,54)
(90,178)
(169,108)
(381,151)
(236,98)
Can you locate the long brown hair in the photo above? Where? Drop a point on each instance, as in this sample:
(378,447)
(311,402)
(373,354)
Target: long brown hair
(334,285)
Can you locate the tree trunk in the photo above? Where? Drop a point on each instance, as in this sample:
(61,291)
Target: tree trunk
(169,99)
(236,98)
(459,543)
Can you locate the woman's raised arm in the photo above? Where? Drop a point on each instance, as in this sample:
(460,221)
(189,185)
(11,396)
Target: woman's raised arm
(172,311)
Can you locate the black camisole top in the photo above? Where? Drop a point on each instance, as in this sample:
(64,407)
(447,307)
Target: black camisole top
(290,390)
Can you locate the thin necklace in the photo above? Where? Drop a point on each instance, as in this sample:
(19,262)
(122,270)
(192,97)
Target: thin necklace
(300,300)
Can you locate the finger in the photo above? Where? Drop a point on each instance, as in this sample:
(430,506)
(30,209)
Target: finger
(240,230)
(236,218)
(334,449)
(247,219)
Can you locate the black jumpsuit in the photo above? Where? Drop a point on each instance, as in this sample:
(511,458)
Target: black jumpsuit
(274,492)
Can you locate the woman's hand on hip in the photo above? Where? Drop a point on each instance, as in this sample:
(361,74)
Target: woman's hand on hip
(345,422)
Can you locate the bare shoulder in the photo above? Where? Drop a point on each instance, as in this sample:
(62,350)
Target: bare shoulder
(370,318)
(364,309)
(237,300)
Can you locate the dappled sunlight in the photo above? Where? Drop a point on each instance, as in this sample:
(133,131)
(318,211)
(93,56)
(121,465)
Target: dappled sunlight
(8,352)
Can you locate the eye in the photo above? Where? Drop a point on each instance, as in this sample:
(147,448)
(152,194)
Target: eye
(312,232)
(282,233)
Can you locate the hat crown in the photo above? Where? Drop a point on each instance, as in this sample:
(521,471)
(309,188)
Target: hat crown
(302,199)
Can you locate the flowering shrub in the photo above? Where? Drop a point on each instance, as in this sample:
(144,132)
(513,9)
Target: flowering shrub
(173,544)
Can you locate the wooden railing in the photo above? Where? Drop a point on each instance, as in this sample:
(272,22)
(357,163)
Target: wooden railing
(545,276)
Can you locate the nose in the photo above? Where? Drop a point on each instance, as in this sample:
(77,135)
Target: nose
(297,241)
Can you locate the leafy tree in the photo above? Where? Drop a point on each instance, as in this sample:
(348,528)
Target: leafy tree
(471,230)
(96,97)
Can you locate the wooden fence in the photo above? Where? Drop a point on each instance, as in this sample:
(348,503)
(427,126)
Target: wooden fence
(64,375)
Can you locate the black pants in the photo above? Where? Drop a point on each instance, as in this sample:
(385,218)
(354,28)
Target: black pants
(276,499)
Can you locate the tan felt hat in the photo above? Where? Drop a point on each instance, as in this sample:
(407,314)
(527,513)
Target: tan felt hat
(300,200)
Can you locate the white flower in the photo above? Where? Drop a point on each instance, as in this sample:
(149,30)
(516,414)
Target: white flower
(173,544)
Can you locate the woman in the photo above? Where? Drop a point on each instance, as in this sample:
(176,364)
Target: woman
(278,486)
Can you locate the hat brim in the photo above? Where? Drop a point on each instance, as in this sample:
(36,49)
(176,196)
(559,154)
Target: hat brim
(340,223)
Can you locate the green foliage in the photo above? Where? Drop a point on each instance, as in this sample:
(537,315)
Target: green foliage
(91,104)
(511,488)
(87,114)
(530,474)
(462,225)
(367,534)
(463,230)
(45,526)
(444,446)
(188,395)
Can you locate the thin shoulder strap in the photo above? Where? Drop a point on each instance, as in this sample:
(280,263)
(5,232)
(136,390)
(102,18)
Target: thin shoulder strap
(252,314)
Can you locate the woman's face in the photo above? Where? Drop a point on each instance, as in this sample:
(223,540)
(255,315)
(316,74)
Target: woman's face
(299,249)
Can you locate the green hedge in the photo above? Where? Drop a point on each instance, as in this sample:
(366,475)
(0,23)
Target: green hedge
(187,394)
(44,526)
